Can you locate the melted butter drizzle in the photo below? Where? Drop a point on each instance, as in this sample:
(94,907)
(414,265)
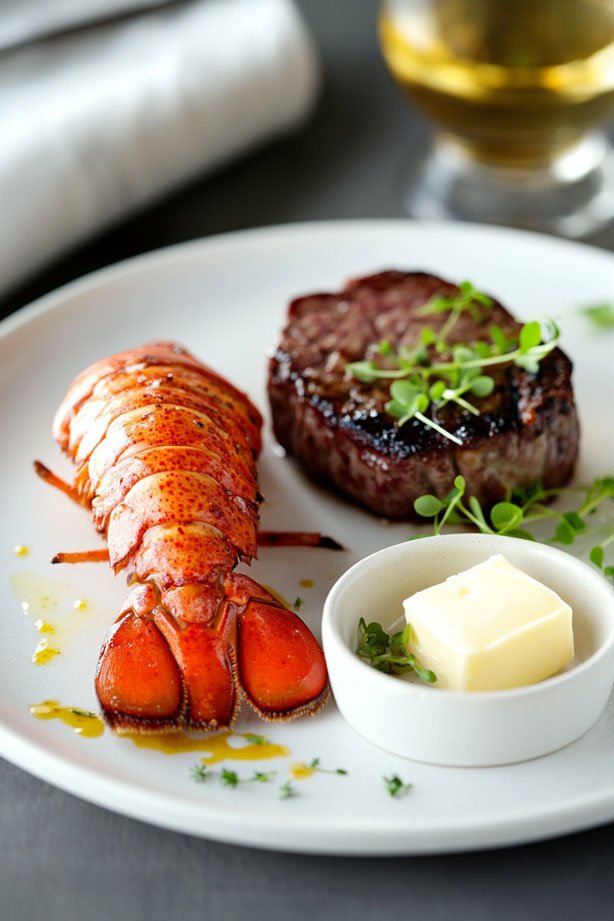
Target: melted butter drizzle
(86,724)
(300,771)
(43,654)
(53,604)
(217,747)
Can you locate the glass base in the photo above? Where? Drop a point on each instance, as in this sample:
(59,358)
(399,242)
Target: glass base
(572,196)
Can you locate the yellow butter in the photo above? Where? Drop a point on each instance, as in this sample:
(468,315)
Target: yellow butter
(489,628)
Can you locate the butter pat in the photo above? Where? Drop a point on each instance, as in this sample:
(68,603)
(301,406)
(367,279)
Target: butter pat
(489,628)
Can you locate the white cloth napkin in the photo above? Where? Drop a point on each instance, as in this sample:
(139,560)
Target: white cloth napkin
(98,121)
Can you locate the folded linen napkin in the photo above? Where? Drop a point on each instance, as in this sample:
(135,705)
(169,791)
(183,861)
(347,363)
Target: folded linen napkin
(99,121)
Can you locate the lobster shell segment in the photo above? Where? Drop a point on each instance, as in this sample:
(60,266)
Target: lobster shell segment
(165,452)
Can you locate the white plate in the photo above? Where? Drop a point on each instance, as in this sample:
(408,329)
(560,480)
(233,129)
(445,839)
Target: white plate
(226,298)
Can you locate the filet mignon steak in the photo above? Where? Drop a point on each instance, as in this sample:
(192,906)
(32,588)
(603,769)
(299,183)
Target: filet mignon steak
(340,430)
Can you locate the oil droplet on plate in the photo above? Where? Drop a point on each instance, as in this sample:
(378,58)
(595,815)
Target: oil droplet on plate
(53,604)
(21,550)
(84,722)
(217,747)
(306,583)
(43,654)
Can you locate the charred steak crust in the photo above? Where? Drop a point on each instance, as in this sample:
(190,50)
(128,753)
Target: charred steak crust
(339,429)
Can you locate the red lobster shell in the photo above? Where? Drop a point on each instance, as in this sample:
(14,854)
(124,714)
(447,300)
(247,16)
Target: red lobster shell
(165,452)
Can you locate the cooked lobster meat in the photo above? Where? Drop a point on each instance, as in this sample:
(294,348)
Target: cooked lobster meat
(339,427)
(165,452)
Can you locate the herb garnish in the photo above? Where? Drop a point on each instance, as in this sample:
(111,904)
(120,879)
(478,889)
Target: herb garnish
(602,315)
(201,772)
(314,766)
(232,779)
(526,506)
(287,790)
(255,740)
(436,373)
(396,787)
(389,654)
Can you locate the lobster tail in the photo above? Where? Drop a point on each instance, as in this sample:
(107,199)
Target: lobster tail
(165,452)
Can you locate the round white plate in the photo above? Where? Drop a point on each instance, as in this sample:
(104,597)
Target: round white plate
(225,298)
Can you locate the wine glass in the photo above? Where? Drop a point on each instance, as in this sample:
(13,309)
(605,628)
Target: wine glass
(517,91)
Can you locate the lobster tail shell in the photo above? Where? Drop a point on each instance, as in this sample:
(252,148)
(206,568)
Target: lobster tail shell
(165,451)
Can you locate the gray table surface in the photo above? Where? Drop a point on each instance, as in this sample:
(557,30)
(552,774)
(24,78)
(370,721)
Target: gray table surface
(61,858)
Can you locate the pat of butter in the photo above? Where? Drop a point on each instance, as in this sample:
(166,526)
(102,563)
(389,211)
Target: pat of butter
(490,627)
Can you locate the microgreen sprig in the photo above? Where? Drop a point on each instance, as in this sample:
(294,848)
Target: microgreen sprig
(390,653)
(527,506)
(601,315)
(467,299)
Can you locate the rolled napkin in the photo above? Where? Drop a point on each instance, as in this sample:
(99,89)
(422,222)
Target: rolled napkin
(24,22)
(97,122)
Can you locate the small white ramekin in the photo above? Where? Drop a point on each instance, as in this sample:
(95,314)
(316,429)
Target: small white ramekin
(459,728)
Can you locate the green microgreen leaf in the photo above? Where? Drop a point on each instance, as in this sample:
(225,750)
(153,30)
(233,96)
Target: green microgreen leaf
(482,386)
(600,315)
(530,336)
(255,739)
(597,556)
(505,516)
(428,506)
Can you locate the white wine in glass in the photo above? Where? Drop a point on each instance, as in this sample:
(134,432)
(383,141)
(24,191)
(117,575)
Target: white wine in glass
(519,91)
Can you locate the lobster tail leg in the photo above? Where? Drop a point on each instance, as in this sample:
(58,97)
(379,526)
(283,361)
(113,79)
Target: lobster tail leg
(281,667)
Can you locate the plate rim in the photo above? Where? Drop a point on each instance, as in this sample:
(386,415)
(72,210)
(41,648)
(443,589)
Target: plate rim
(168,253)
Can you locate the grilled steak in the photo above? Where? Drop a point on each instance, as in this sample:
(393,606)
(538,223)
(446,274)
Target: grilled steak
(340,430)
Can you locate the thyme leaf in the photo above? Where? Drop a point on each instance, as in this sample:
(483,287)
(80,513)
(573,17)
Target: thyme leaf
(390,653)
(396,787)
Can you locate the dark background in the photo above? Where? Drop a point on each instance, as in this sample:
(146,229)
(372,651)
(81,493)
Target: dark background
(64,860)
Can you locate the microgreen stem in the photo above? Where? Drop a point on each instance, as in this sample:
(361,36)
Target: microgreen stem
(430,423)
